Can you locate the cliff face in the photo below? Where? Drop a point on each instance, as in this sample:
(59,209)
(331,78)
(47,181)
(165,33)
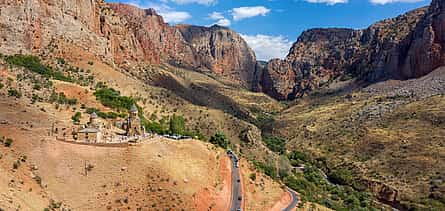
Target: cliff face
(221,50)
(33,26)
(321,55)
(424,50)
(120,34)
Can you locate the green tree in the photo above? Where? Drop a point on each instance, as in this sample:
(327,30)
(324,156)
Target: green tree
(220,139)
(112,98)
(177,125)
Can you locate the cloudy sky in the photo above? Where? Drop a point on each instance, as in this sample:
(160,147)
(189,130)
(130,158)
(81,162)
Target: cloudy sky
(271,26)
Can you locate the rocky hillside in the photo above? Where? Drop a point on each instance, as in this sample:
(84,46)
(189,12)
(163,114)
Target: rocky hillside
(322,55)
(121,35)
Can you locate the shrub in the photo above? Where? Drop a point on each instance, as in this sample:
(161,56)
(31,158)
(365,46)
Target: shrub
(38,179)
(263,120)
(275,144)
(76,117)
(341,176)
(16,164)
(14,93)
(1,85)
(8,142)
(296,155)
(35,98)
(220,139)
(269,170)
(252,176)
(61,61)
(61,98)
(90,63)
(37,87)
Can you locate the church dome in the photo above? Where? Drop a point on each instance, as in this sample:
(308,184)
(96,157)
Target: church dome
(94,115)
(133,109)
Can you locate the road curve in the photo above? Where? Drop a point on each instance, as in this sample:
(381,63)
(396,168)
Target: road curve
(294,202)
(236,202)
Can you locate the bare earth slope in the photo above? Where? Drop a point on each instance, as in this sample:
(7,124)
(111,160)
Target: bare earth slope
(157,174)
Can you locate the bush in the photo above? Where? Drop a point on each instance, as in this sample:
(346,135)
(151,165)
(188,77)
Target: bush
(61,61)
(8,142)
(252,176)
(275,144)
(154,127)
(33,64)
(37,87)
(35,98)
(341,176)
(296,155)
(269,170)
(220,139)
(90,63)
(16,164)
(76,117)
(263,120)
(1,85)
(14,93)
(61,98)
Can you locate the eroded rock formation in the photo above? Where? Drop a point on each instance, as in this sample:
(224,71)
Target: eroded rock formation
(321,55)
(122,35)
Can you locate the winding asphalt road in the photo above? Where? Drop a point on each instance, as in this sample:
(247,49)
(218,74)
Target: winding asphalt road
(236,202)
(294,202)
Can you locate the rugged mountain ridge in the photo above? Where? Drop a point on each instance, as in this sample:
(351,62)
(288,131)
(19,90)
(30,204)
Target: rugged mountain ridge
(322,55)
(121,35)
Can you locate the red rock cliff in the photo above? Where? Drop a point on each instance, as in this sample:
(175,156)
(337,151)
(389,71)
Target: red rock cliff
(120,34)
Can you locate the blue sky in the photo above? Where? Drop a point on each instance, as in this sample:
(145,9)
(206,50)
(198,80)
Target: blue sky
(271,26)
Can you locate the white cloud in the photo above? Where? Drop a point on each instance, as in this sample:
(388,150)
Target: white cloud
(216,16)
(393,1)
(203,2)
(174,16)
(329,2)
(220,19)
(248,12)
(223,22)
(268,47)
(169,14)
